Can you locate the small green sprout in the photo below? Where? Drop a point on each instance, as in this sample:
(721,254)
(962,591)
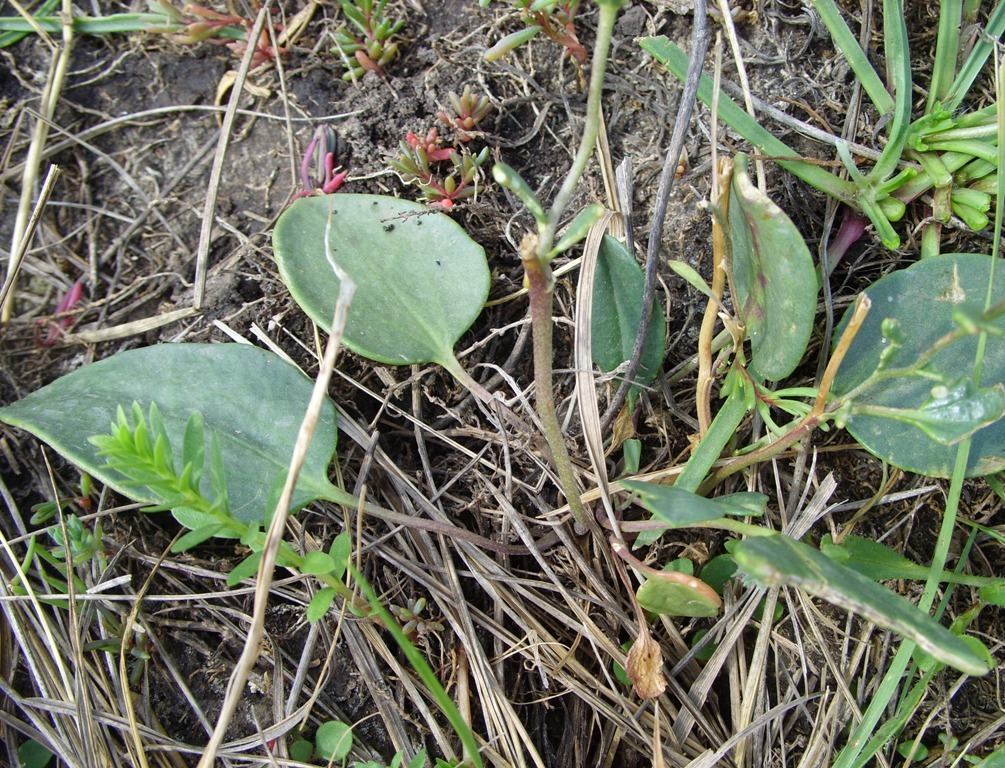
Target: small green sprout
(368,42)
(414,626)
(555,19)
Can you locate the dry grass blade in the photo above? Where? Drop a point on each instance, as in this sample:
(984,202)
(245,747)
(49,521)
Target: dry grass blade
(277,527)
(50,98)
(208,217)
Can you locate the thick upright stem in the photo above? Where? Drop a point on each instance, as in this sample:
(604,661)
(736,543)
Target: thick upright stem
(539,286)
(535,252)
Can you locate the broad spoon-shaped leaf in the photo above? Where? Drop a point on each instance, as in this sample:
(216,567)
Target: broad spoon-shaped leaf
(251,399)
(912,309)
(420,280)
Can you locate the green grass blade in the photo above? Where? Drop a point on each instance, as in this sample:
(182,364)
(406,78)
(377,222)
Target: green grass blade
(857,59)
(976,60)
(946,49)
(898,57)
(425,672)
(737,119)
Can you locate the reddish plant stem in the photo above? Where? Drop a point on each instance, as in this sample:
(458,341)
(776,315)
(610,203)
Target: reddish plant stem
(539,285)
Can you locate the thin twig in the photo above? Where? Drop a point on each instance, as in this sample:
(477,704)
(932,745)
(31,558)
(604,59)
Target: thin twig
(250,654)
(699,45)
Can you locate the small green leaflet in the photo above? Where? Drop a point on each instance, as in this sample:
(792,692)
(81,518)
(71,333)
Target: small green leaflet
(773,561)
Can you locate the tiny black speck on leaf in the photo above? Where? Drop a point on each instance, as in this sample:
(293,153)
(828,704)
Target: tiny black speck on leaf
(389,227)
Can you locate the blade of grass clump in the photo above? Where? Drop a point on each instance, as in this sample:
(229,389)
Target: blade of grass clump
(736,118)
(421,281)
(975,61)
(845,40)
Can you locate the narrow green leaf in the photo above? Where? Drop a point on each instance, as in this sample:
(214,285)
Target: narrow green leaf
(507,177)
(578,229)
(879,562)
(772,561)
(617,308)
(425,672)
(690,274)
(218,477)
(194,448)
(245,569)
(675,507)
(744,504)
(196,537)
(510,42)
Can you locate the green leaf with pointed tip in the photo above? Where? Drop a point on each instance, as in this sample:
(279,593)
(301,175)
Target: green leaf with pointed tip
(320,603)
(679,508)
(578,229)
(420,280)
(773,277)
(773,561)
(921,301)
(881,563)
(251,401)
(678,594)
(617,308)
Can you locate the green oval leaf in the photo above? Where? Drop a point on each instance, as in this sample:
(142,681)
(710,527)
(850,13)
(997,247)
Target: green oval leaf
(420,280)
(671,593)
(911,309)
(617,307)
(250,400)
(320,603)
(772,276)
(773,561)
(317,563)
(333,741)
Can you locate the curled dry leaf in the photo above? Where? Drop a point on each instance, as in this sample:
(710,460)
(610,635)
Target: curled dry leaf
(645,667)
